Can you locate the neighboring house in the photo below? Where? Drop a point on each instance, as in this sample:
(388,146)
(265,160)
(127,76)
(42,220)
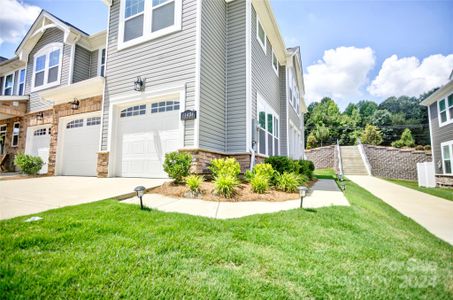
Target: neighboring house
(213,78)
(440,111)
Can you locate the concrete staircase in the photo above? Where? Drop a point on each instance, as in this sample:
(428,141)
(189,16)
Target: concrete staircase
(352,161)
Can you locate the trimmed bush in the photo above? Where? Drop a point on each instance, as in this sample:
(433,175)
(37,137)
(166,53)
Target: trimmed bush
(248,175)
(305,167)
(225,185)
(225,166)
(281,164)
(427,147)
(419,147)
(177,165)
(288,182)
(260,184)
(28,164)
(193,182)
(264,170)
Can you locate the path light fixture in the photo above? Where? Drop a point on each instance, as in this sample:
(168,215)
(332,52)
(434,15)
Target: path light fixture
(139,84)
(140,190)
(342,183)
(302,193)
(75,104)
(40,116)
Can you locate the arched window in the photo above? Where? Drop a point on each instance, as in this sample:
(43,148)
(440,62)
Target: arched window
(47,66)
(75,124)
(133,111)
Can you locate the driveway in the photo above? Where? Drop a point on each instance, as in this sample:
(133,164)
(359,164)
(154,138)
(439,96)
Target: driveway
(29,196)
(433,213)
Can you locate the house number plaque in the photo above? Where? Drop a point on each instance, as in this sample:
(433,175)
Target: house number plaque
(188,115)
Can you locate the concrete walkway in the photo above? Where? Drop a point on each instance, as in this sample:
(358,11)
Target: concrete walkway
(29,196)
(433,213)
(324,193)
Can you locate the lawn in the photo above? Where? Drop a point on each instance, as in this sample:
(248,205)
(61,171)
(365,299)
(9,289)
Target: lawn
(113,250)
(439,192)
(325,174)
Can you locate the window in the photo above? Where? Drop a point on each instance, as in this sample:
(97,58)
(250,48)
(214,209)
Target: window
(142,20)
(261,35)
(93,121)
(274,63)
(47,66)
(164,106)
(445,107)
(268,129)
(2,139)
(8,85)
(447,157)
(133,111)
(16,130)
(75,124)
(101,71)
(294,95)
(21,83)
(42,131)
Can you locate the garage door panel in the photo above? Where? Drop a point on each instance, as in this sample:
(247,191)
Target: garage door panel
(40,145)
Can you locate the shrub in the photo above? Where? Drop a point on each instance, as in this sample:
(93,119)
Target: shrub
(264,170)
(427,147)
(397,144)
(312,142)
(288,182)
(225,185)
(281,164)
(371,135)
(260,184)
(248,175)
(177,165)
(225,166)
(28,164)
(406,140)
(305,167)
(419,148)
(193,182)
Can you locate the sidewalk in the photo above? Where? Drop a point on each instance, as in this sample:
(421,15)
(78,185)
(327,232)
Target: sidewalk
(324,193)
(433,213)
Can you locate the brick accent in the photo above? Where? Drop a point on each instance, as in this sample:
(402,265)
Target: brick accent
(13,108)
(202,158)
(444,180)
(395,163)
(9,149)
(102,168)
(322,157)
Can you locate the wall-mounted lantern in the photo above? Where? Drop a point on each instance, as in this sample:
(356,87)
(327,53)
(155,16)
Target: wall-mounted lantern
(40,116)
(75,104)
(139,84)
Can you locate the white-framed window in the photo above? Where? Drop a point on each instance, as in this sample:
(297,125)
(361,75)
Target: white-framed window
(101,64)
(8,84)
(21,82)
(93,121)
(142,20)
(293,93)
(261,35)
(136,110)
(47,66)
(447,157)
(164,106)
(268,129)
(445,108)
(2,138)
(75,124)
(15,137)
(274,62)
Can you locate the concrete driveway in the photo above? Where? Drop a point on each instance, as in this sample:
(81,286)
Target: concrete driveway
(29,196)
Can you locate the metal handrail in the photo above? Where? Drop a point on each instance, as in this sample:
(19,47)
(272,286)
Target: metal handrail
(340,163)
(364,156)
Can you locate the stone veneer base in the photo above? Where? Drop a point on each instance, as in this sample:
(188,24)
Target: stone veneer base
(444,181)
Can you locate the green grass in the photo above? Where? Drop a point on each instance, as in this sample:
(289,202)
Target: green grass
(325,174)
(439,192)
(113,250)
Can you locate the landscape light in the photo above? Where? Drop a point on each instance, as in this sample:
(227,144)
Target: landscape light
(140,190)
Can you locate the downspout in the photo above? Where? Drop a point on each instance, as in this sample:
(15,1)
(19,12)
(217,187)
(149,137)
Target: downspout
(364,157)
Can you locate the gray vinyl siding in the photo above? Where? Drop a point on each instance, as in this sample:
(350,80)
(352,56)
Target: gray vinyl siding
(439,135)
(264,79)
(51,35)
(82,61)
(169,59)
(283,116)
(212,75)
(94,62)
(236,76)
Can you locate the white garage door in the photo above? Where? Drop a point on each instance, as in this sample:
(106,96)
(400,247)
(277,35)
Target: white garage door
(145,134)
(39,144)
(80,146)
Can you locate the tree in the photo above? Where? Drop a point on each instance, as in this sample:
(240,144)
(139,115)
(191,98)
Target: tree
(322,134)
(366,109)
(311,141)
(406,140)
(371,135)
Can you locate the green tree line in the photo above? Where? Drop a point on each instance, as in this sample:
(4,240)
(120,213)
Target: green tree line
(398,121)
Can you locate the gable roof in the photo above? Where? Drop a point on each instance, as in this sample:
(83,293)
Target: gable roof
(46,20)
(442,92)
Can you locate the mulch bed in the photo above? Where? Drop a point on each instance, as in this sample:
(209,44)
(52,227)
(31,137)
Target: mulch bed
(243,193)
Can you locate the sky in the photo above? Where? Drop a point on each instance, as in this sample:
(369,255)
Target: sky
(351,50)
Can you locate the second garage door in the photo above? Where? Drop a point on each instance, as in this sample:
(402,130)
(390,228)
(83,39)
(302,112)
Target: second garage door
(80,146)
(145,133)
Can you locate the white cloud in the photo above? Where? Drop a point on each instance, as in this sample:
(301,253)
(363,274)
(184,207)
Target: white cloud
(407,76)
(340,74)
(15,18)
